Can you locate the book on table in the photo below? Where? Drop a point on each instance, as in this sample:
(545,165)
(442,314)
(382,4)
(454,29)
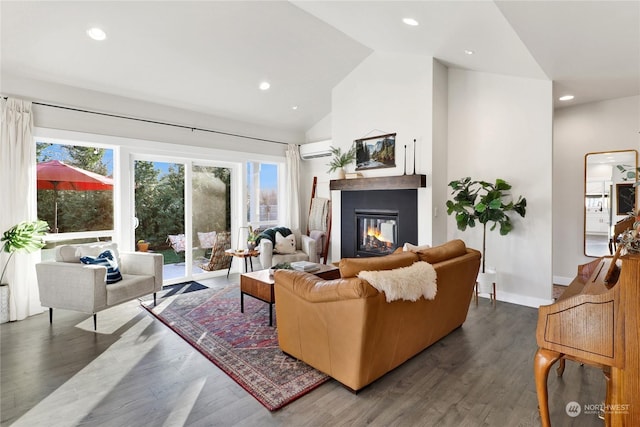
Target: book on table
(304,266)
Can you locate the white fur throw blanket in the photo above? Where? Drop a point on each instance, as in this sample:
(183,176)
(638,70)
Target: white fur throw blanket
(406,283)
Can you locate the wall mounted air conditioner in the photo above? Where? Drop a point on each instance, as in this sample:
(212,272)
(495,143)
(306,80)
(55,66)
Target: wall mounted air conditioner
(313,150)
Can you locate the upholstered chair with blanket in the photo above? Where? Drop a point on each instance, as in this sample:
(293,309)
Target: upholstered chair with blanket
(280,244)
(93,277)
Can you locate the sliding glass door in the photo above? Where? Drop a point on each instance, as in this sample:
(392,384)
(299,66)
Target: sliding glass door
(171,198)
(211,216)
(159,195)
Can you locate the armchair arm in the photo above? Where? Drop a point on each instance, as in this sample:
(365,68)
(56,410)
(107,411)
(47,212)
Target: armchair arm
(72,286)
(309,248)
(143,263)
(266,253)
(314,289)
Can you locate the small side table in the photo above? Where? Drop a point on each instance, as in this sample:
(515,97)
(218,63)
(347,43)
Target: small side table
(246,254)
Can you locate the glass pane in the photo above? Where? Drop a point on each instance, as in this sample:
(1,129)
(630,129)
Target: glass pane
(211,195)
(74,187)
(262,203)
(159,204)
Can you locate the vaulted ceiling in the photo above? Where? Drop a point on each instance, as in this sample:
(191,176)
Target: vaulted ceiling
(210,56)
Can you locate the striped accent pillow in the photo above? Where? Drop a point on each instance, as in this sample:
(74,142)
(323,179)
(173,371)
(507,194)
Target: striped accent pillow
(106,259)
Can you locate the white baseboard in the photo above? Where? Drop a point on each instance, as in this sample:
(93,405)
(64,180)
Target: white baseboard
(561,280)
(521,299)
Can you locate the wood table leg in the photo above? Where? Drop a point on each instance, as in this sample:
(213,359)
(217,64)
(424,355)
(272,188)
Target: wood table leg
(230,264)
(495,299)
(560,368)
(476,293)
(607,400)
(542,364)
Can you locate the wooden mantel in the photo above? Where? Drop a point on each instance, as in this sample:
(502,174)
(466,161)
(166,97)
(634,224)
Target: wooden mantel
(401,182)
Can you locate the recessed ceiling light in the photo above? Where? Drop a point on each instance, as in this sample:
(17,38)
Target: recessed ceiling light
(96,33)
(265,85)
(468,52)
(295,107)
(566,98)
(410,21)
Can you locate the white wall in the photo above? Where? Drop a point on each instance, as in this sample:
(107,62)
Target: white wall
(501,127)
(387,93)
(321,131)
(598,126)
(440,152)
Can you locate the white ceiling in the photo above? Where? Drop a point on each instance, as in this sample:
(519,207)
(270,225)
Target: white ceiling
(210,56)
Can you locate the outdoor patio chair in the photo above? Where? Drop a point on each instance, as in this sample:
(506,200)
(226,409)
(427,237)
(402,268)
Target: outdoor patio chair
(219,260)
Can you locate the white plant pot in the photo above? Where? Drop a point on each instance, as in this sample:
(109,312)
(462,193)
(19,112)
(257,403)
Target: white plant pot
(339,174)
(486,280)
(4,303)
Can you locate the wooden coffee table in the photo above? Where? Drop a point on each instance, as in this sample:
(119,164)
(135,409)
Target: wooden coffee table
(259,284)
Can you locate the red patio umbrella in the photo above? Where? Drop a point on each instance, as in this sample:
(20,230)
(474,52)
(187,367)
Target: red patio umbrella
(55,175)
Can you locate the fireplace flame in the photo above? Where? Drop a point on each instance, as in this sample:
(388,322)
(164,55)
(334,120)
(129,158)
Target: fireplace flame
(376,233)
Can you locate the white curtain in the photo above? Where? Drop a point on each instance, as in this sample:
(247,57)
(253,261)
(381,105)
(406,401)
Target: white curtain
(292,193)
(18,198)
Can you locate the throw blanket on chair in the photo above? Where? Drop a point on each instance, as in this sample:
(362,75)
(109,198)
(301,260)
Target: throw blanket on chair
(405,283)
(318,214)
(270,233)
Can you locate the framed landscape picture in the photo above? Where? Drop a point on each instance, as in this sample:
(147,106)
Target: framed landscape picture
(376,152)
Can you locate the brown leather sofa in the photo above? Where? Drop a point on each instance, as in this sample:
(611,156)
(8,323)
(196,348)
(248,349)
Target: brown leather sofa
(345,327)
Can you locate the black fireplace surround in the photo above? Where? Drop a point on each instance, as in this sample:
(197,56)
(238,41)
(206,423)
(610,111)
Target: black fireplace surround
(387,204)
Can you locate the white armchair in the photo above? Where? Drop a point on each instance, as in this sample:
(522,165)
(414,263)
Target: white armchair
(68,284)
(305,251)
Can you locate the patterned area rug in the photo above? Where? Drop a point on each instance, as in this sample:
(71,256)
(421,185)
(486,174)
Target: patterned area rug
(181,288)
(241,344)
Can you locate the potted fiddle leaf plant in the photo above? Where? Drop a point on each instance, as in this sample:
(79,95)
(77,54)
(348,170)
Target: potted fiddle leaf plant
(340,160)
(482,202)
(23,237)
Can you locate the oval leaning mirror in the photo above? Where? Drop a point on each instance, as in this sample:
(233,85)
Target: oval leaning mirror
(609,199)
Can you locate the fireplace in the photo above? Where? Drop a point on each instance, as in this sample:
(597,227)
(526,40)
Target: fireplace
(377,232)
(376,222)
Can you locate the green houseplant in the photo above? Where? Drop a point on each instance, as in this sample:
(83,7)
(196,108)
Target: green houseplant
(340,160)
(25,236)
(252,238)
(483,202)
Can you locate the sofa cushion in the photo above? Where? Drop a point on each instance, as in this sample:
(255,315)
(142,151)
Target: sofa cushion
(350,267)
(452,249)
(130,287)
(408,247)
(72,253)
(106,259)
(285,244)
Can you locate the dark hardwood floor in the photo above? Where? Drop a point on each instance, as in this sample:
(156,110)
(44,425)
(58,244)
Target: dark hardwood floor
(136,372)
